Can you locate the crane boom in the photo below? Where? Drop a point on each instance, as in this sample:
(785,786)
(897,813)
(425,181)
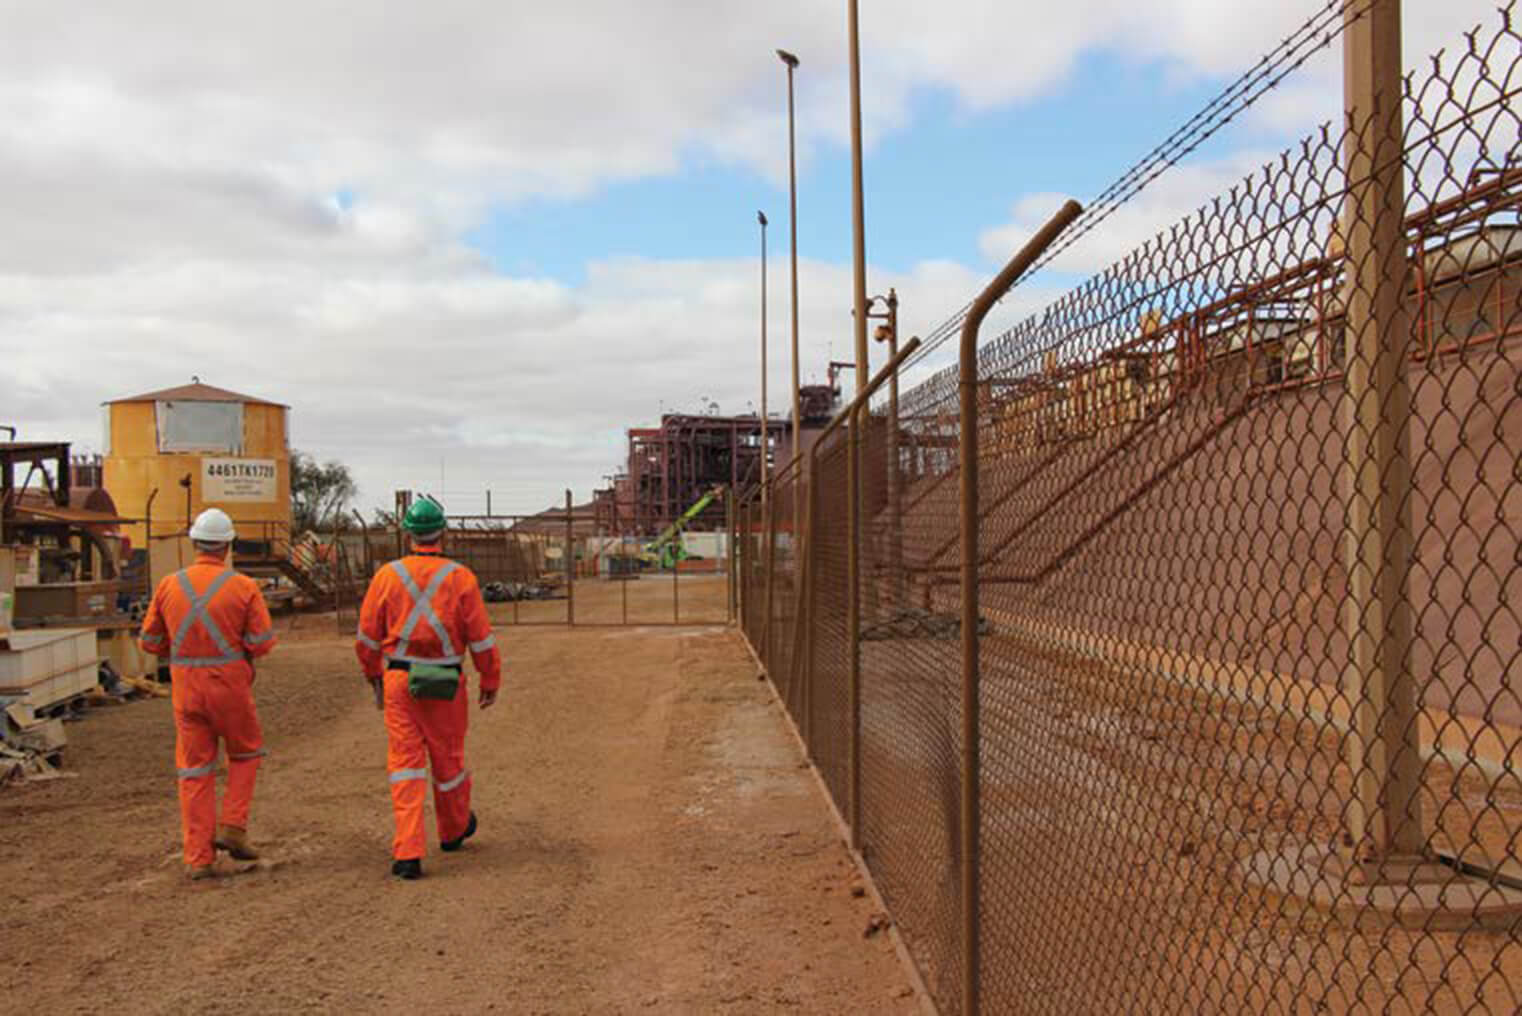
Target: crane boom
(671,531)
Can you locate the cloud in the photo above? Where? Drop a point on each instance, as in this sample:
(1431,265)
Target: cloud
(518,384)
(273,197)
(1169,199)
(1293,111)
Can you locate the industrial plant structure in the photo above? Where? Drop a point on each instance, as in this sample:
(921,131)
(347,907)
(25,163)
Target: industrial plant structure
(672,466)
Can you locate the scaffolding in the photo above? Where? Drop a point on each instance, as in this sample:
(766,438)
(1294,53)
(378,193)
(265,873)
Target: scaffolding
(672,466)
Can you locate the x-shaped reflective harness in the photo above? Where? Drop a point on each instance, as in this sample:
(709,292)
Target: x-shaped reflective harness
(199,613)
(422,609)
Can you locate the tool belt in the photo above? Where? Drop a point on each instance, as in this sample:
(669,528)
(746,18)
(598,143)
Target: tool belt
(440,681)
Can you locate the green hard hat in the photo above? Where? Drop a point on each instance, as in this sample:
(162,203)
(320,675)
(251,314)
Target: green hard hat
(424,516)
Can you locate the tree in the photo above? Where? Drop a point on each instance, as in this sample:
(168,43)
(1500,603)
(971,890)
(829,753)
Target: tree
(318,492)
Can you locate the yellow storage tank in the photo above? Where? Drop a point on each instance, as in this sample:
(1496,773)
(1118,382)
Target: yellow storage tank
(198,447)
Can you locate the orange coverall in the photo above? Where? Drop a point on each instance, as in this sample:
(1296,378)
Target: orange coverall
(426,608)
(212,623)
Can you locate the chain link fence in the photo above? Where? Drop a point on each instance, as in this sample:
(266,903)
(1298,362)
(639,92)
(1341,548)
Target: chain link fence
(1247,577)
(550,569)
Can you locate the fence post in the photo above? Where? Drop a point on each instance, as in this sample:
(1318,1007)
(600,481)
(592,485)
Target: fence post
(967,457)
(730,524)
(742,565)
(570,565)
(811,596)
(770,523)
(676,592)
(853,618)
(1385,817)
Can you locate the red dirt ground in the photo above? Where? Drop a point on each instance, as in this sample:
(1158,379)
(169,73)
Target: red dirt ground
(649,843)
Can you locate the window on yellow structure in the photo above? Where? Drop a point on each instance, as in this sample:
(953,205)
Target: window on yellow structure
(200,426)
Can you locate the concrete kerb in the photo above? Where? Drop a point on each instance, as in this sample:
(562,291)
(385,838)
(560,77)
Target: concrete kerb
(1432,896)
(1495,749)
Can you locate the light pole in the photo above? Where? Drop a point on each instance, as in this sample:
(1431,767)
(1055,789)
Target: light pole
(854,546)
(765,423)
(792,178)
(858,213)
(767,508)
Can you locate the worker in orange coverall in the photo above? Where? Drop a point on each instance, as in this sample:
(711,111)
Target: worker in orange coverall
(212,623)
(419,617)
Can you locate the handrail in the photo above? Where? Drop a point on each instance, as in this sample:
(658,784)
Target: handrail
(1194,447)
(1142,427)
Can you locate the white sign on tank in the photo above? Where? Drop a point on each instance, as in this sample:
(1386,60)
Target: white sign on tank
(246,480)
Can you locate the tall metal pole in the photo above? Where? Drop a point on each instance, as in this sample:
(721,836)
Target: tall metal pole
(1385,818)
(858,214)
(853,498)
(766,454)
(765,420)
(792,178)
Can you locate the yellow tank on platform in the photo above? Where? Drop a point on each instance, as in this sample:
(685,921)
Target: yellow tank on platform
(199,447)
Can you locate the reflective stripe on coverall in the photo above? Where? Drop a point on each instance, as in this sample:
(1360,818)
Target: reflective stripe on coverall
(426,608)
(211,623)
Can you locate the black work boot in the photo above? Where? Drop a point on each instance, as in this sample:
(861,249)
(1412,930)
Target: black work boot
(450,846)
(410,869)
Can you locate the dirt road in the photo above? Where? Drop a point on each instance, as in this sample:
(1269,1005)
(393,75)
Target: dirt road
(649,843)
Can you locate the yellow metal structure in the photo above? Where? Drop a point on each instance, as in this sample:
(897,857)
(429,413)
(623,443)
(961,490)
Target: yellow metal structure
(199,447)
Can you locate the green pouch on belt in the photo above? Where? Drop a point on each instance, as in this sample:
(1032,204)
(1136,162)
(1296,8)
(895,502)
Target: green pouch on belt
(430,681)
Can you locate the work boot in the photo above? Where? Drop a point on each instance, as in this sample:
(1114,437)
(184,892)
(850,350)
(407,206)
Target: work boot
(450,846)
(235,842)
(409,869)
(198,872)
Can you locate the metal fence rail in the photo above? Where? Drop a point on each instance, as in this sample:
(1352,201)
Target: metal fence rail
(1239,643)
(555,569)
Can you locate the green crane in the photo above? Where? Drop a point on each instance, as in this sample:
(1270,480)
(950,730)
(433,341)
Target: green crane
(666,550)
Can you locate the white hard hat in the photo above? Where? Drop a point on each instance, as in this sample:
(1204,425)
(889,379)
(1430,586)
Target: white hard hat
(213,526)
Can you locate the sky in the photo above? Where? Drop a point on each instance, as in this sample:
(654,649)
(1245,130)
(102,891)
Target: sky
(470,243)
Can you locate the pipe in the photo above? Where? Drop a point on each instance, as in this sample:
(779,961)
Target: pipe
(148,518)
(866,393)
(967,393)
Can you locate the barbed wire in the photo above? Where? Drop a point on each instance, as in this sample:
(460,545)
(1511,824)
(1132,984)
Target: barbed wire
(1315,34)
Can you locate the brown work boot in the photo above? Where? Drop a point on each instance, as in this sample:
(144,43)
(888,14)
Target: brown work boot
(197,872)
(235,842)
